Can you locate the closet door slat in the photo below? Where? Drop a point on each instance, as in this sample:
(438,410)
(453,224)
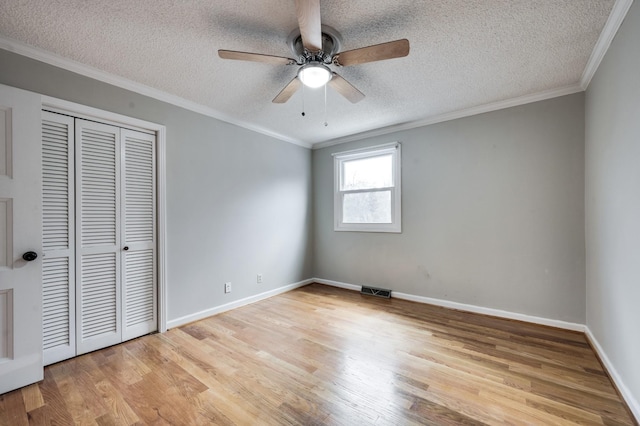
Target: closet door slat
(98,272)
(139,216)
(58,229)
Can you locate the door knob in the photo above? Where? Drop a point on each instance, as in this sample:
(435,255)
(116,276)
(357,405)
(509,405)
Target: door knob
(125,248)
(29,256)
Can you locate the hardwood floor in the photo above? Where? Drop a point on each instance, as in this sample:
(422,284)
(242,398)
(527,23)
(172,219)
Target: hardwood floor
(321,355)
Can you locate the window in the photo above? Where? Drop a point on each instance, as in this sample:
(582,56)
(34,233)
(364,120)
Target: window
(367,189)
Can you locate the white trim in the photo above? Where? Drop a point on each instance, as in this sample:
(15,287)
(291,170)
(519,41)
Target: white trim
(161,217)
(50,58)
(87,112)
(632,402)
(467,308)
(614,21)
(91,72)
(395,225)
(454,115)
(626,394)
(367,149)
(611,27)
(337,284)
(92,114)
(235,304)
(490,311)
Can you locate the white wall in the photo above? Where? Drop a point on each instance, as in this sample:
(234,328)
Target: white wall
(492,213)
(613,205)
(238,202)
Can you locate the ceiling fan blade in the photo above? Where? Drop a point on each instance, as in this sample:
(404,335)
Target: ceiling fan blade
(378,52)
(255,57)
(308,12)
(345,88)
(288,91)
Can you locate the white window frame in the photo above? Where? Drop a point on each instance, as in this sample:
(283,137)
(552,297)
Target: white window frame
(396,190)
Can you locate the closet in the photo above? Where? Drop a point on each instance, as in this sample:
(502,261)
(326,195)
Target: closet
(99,235)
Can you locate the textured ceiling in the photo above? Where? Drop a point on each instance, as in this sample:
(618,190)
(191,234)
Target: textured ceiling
(463,53)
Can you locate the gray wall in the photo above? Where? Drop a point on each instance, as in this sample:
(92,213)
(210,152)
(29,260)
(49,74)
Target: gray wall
(492,213)
(238,202)
(493,205)
(613,203)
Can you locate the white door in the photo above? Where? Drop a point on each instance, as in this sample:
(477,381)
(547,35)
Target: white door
(58,258)
(20,233)
(98,245)
(99,287)
(139,234)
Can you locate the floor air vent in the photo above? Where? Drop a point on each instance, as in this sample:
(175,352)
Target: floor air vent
(380,292)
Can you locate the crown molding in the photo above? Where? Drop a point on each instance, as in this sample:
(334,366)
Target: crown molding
(614,21)
(608,33)
(611,27)
(480,109)
(56,60)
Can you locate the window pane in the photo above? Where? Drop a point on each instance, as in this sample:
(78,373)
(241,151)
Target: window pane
(367,207)
(366,173)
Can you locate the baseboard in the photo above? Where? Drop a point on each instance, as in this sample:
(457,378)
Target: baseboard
(465,307)
(337,284)
(490,311)
(235,304)
(627,396)
(632,402)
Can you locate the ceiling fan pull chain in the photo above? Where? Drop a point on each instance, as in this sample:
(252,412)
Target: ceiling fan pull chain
(325,106)
(303,100)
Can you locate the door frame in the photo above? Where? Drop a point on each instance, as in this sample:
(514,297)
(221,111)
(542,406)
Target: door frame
(89,113)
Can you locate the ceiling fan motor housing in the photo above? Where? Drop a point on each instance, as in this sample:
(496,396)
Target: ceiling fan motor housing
(331,44)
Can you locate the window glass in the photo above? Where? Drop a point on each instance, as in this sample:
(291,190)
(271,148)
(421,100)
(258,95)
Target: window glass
(367,173)
(367,207)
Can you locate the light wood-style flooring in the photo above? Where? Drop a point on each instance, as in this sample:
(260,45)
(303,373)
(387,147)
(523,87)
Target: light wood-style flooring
(321,355)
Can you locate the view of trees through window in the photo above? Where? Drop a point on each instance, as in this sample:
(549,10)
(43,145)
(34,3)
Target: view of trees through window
(367,207)
(366,180)
(367,173)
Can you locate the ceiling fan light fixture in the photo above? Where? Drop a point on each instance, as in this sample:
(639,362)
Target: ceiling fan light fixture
(314,75)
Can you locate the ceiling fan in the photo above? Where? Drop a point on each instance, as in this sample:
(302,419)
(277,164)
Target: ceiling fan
(317,46)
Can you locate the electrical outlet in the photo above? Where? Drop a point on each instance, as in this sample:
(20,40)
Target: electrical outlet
(259,278)
(227,287)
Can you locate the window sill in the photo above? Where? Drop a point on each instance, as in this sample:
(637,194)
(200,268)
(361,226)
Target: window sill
(394,229)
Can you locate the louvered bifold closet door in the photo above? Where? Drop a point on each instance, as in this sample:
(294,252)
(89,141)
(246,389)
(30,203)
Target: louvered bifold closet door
(139,229)
(98,248)
(58,281)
